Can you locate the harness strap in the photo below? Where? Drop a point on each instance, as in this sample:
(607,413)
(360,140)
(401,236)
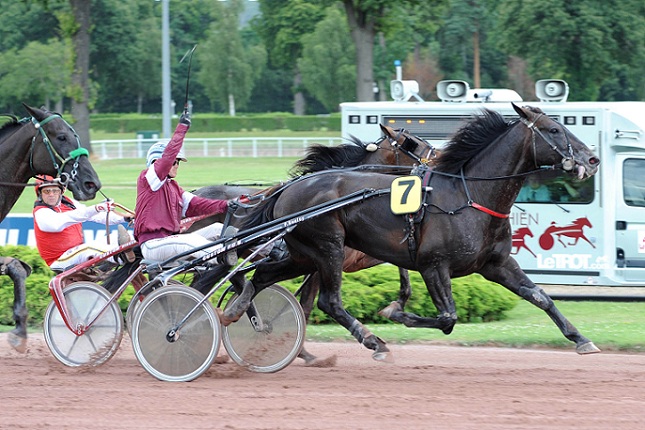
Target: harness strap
(476,205)
(488,211)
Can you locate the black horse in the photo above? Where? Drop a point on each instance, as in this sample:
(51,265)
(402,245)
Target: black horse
(463,227)
(394,148)
(41,144)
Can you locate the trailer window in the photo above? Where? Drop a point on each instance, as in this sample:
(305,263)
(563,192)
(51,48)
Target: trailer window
(634,182)
(554,187)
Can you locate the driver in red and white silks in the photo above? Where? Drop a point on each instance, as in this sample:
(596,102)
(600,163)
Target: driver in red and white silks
(58,229)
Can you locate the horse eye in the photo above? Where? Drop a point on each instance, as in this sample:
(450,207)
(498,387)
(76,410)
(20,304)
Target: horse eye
(554,130)
(62,137)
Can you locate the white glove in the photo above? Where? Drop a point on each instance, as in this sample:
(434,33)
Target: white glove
(105,206)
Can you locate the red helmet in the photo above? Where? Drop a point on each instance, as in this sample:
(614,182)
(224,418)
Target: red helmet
(48,181)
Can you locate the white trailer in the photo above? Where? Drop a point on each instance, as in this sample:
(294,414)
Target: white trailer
(564,231)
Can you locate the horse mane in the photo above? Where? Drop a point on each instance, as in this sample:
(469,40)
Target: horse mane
(470,140)
(320,157)
(9,126)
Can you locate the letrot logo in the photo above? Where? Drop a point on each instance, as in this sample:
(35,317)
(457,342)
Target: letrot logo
(566,236)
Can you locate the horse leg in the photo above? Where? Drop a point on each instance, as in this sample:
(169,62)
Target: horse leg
(308,291)
(246,291)
(17,271)
(265,274)
(514,279)
(330,302)
(438,286)
(395,309)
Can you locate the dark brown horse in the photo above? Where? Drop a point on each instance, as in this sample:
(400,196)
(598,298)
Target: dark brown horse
(395,148)
(463,229)
(41,144)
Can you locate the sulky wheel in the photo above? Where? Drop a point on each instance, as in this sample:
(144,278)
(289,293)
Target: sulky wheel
(271,333)
(181,356)
(85,300)
(136,301)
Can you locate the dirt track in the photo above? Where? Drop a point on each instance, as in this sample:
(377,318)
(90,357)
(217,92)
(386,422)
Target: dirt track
(428,386)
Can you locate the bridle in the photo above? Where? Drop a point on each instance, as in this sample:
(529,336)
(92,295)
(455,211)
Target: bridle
(567,160)
(394,142)
(57,160)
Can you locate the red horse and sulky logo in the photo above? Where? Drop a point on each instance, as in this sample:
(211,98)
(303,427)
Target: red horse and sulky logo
(567,235)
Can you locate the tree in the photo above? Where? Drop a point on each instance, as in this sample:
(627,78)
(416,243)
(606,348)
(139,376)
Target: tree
(36,72)
(283,24)
(228,70)
(467,51)
(586,42)
(79,31)
(409,38)
(327,65)
(126,42)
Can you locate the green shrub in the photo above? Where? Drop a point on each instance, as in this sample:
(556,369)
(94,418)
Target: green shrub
(368,291)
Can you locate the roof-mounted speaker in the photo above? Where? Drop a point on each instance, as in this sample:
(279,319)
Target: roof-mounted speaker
(453,91)
(551,90)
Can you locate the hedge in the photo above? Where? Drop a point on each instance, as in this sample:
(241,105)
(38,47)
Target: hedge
(131,123)
(364,293)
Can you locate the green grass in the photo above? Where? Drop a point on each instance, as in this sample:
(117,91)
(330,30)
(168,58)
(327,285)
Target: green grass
(610,325)
(118,177)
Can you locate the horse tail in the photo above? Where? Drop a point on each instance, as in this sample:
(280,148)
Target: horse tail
(117,277)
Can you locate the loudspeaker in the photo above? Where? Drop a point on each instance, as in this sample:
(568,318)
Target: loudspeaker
(452,91)
(403,90)
(551,90)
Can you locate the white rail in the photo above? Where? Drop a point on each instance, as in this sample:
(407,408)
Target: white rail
(216,147)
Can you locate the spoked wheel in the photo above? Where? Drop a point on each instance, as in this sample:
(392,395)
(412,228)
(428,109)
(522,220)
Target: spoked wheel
(271,333)
(136,302)
(85,300)
(180,356)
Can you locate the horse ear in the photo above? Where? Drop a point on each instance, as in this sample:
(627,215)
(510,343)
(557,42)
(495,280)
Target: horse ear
(387,130)
(521,112)
(33,112)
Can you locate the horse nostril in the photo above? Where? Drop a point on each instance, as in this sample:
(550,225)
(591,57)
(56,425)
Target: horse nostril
(594,160)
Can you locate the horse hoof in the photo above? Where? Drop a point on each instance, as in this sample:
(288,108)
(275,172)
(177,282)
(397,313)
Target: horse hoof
(587,348)
(223,319)
(385,357)
(18,343)
(390,309)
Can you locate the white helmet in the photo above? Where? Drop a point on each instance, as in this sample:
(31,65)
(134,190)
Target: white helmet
(157,149)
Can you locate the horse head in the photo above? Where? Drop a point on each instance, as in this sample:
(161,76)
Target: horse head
(56,150)
(552,143)
(415,148)
(582,222)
